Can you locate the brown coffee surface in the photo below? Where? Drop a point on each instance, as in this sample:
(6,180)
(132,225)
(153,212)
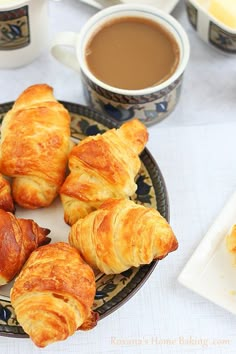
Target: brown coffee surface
(132,53)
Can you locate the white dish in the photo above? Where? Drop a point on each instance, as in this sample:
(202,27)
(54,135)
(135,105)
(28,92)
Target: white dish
(210,271)
(165,5)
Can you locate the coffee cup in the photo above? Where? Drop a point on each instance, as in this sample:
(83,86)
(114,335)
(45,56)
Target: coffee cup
(23,31)
(131,60)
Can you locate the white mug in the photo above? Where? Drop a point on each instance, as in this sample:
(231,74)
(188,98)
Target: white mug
(150,105)
(23,31)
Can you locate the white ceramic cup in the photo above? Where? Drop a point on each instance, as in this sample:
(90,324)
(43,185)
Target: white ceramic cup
(151,104)
(23,31)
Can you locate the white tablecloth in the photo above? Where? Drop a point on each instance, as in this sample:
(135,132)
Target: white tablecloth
(195,149)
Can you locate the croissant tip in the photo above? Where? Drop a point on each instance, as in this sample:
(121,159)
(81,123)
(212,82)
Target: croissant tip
(90,322)
(45,231)
(45,241)
(175,245)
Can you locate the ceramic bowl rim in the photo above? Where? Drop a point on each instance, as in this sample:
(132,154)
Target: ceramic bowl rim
(211,17)
(148,9)
(14,4)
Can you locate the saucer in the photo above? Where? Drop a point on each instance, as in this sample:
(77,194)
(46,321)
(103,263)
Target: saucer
(165,5)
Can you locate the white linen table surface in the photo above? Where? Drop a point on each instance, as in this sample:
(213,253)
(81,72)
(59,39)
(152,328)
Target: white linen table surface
(195,149)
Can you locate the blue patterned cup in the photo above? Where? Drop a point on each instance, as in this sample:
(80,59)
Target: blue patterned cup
(23,31)
(151,104)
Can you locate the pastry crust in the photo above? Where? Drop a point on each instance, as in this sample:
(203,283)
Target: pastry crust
(35,143)
(231,240)
(6,200)
(18,238)
(102,167)
(122,234)
(54,293)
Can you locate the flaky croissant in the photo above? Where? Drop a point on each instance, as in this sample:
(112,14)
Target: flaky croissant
(6,201)
(34,147)
(231,240)
(102,167)
(18,238)
(53,294)
(122,234)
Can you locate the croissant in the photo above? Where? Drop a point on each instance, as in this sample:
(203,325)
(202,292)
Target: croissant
(6,201)
(34,147)
(121,234)
(102,167)
(231,240)
(18,238)
(53,294)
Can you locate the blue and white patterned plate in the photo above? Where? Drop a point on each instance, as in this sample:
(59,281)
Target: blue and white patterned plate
(112,290)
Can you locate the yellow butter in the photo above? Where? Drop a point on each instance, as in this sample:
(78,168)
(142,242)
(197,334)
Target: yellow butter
(224,11)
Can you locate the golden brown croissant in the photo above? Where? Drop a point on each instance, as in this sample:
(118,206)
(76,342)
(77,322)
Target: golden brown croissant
(231,240)
(34,147)
(18,238)
(102,167)
(122,234)
(6,201)
(54,293)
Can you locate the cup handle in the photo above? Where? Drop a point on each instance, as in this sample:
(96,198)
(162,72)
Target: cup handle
(65,55)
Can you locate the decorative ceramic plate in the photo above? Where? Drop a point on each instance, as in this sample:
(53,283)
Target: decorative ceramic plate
(211,271)
(112,290)
(165,5)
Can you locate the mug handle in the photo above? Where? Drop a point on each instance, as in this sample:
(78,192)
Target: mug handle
(65,55)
